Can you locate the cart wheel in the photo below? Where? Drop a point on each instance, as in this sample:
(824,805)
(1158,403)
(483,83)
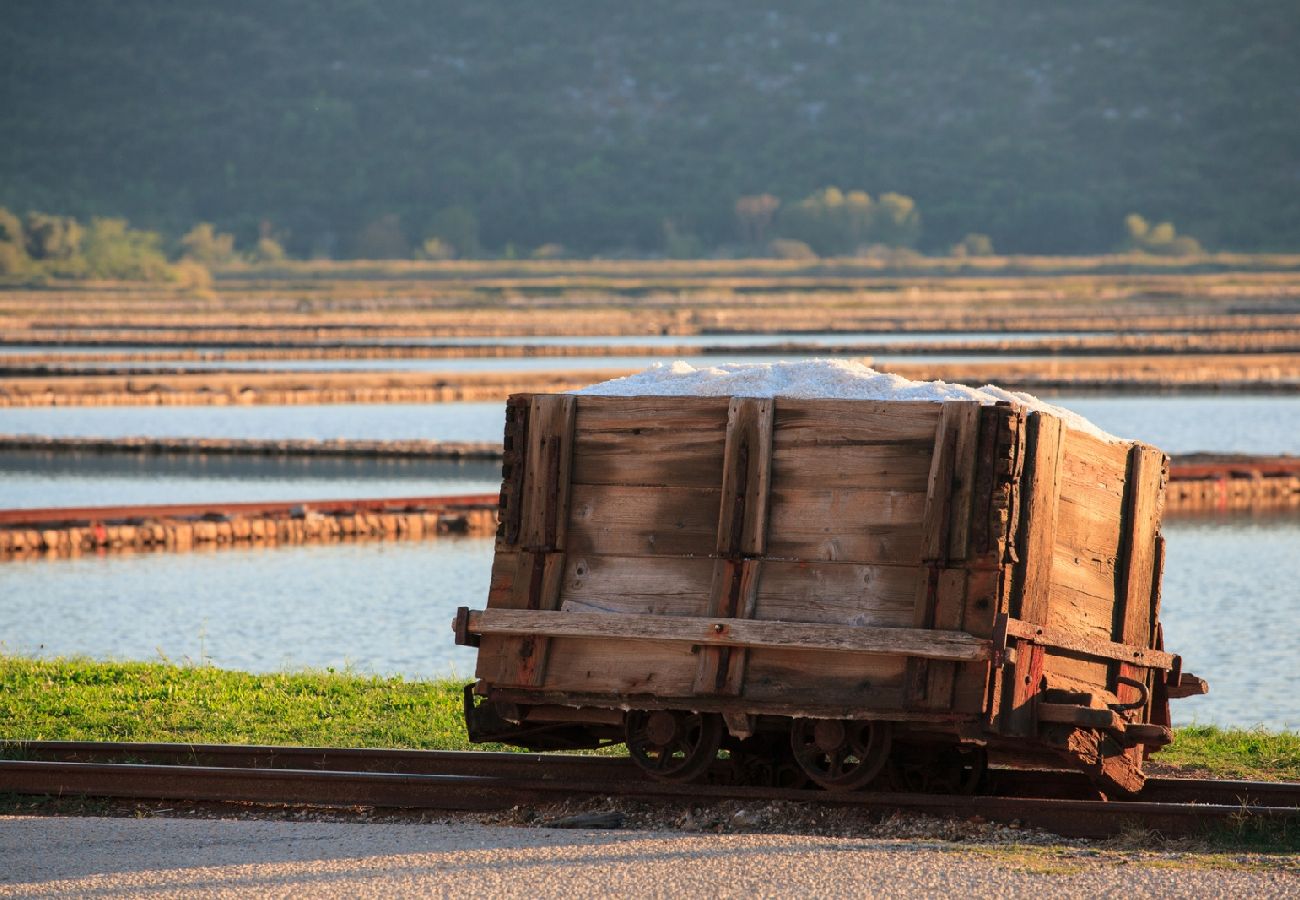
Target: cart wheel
(838,754)
(920,769)
(671,745)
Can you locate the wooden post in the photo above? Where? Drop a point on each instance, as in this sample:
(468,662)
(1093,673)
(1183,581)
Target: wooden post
(543,505)
(1141,563)
(1044,447)
(742,536)
(945,535)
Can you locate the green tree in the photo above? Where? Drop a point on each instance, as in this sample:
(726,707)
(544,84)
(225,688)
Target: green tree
(13,246)
(52,237)
(204,244)
(973,244)
(898,221)
(267,250)
(458,227)
(1161,239)
(112,249)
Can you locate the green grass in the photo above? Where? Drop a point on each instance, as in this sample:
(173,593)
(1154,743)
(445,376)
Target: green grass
(77,699)
(1234,753)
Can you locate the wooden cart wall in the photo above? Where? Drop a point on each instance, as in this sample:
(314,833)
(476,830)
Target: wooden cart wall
(852,514)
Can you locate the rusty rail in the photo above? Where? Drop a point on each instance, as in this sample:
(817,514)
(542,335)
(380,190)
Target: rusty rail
(488,781)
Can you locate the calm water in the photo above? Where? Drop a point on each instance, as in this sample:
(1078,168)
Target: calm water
(1177,424)
(1230,601)
(397,421)
(535,363)
(40,479)
(254,610)
(1231,606)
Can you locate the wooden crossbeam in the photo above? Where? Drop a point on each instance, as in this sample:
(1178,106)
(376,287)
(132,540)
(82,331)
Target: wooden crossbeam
(720,632)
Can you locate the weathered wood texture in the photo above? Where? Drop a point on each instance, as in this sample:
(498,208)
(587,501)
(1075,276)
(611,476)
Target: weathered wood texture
(842,547)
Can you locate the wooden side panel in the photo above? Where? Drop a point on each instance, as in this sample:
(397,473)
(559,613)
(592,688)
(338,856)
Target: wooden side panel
(836,593)
(601,666)
(811,678)
(1090,525)
(648,586)
(846,524)
(672,442)
(622,520)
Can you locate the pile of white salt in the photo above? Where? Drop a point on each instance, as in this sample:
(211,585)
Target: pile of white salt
(815,379)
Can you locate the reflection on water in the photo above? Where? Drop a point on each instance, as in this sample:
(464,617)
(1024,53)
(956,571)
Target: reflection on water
(1230,607)
(30,479)
(539,363)
(379,607)
(356,421)
(1176,424)
(1187,424)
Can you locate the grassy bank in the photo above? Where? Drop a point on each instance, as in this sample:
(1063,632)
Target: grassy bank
(83,700)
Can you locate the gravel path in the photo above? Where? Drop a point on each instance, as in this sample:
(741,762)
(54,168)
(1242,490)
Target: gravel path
(97,857)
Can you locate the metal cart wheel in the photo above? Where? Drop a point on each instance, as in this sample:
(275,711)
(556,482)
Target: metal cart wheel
(839,754)
(920,769)
(672,745)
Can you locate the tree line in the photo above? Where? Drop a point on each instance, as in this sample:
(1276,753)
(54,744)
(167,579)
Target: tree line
(827,223)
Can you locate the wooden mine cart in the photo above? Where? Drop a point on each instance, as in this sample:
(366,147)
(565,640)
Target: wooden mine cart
(825,590)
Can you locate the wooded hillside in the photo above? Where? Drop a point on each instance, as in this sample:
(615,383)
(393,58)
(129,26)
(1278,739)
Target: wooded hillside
(608,127)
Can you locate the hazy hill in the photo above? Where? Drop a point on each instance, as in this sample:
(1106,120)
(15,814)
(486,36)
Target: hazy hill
(590,123)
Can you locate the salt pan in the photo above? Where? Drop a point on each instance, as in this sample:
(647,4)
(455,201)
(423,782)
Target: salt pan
(815,379)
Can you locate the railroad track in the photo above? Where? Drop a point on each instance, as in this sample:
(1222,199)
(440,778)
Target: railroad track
(1062,802)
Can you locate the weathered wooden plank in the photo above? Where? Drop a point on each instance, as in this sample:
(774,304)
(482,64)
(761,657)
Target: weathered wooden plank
(1148,472)
(546,475)
(1062,639)
(836,593)
(543,596)
(723,632)
(935,537)
(1078,715)
(501,584)
(746,478)
(845,524)
(625,520)
(949,610)
(841,462)
(733,594)
(663,586)
(625,667)
(676,442)
(966,420)
(1089,528)
(1080,611)
(1021,718)
(822,422)
(1037,533)
(804,679)
(514,447)
(1135,617)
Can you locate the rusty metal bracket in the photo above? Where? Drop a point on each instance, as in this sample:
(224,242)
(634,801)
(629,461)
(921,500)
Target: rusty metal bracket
(1144,695)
